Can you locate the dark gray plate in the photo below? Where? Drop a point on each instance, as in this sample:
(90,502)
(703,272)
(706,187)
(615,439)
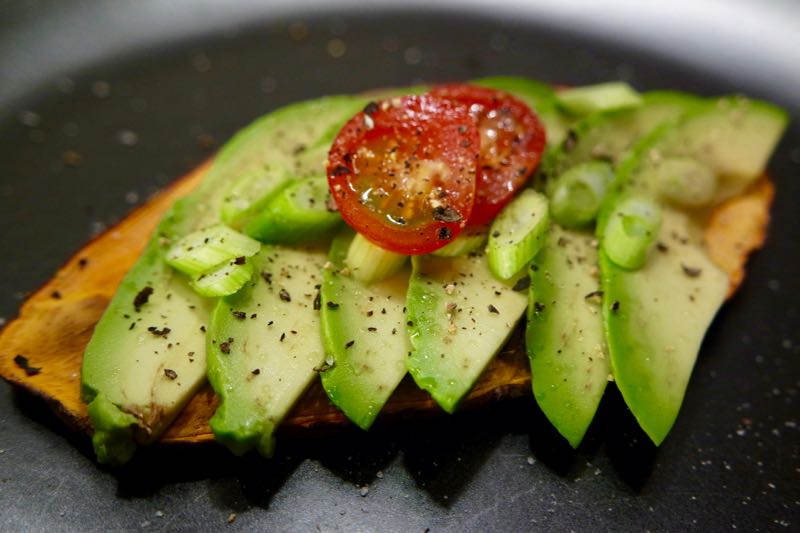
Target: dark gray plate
(134,93)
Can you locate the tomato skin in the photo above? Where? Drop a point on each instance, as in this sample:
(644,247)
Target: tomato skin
(512,142)
(403,171)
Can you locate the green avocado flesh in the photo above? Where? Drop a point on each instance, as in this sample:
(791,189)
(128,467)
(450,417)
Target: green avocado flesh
(302,313)
(564,337)
(458,318)
(656,318)
(146,358)
(264,347)
(607,135)
(363,330)
(136,379)
(732,137)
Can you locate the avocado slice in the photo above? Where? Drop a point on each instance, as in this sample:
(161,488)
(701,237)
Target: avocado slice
(656,317)
(732,136)
(364,336)
(289,144)
(146,358)
(564,336)
(264,347)
(608,135)
(566,342)
(458,318)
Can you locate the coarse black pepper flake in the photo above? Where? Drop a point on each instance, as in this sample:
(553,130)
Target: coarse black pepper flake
(338,170)
(133,325)
(317,302)
(445,213)
(373,329)
(239,260)
(267,276)
(22,362)
(82,262)
(171,374)
(56,295)
(142,297)
(538,307)
(163,332)
(371,108)
(332,305)
(270,322)
(370,313)
(522,284)
(283,336)
(203,329)
(444,233)
(284,295)
(661,247)
(253,316)
(410,323)
(493,309)
(615,306)
(224,347)
(349,344)
(256,371)
(241,315)
(692,272)
(594,295)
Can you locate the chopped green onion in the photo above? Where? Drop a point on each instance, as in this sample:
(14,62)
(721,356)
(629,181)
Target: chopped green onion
(299,213)
(223,280)
(579,192)
(684,181)
(207,248)
(369,262)
(631,229)
(603,96)
(470,240)
(517,233)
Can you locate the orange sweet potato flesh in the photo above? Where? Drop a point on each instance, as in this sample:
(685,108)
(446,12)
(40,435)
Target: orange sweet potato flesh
(55,323)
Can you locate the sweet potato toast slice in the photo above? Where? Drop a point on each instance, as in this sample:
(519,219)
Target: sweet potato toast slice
(41,350)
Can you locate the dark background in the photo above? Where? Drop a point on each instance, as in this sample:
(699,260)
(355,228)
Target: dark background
(103,102)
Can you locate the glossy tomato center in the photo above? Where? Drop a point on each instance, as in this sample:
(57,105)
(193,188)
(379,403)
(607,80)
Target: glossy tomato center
(403,172)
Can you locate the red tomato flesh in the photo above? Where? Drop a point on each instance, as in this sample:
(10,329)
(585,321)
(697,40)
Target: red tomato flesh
(511,145)
(403,172)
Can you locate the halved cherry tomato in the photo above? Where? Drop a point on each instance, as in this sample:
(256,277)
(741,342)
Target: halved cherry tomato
(512,142)
(402,172)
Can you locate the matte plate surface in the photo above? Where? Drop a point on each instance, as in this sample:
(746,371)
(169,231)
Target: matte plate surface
(103,102)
